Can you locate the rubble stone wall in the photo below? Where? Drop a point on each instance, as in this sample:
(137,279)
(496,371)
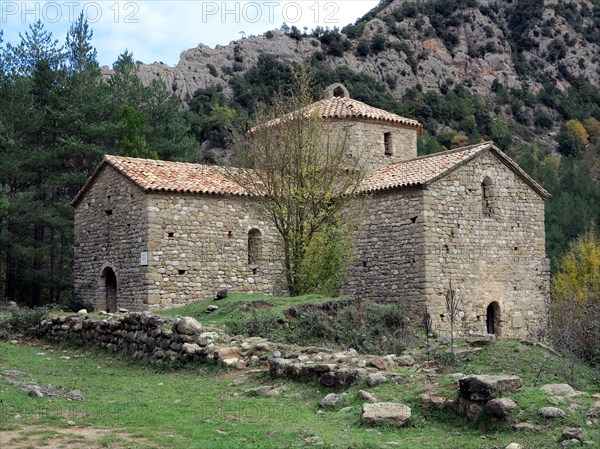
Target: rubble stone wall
(492,253)
(366,140)
(199,244)
(140,335)
(110,233)
(390,249)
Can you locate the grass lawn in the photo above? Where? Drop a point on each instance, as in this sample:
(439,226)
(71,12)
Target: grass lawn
(129,405)
(239,305)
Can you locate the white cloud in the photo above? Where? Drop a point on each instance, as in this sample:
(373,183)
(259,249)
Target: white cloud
(161,30)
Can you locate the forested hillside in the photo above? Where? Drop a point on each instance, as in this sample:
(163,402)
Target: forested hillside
(524,73)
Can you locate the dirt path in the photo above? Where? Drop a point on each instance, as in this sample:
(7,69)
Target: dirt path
(76,437)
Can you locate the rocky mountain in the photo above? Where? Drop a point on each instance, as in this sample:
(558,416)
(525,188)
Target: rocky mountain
(427,44)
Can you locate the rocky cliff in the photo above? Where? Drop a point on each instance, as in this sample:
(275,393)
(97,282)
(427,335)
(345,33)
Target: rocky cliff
(407,43)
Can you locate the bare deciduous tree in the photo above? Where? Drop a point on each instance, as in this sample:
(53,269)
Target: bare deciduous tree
(427,328)
(304,181)
(452,308)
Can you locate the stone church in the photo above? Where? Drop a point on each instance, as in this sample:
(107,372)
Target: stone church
(152,233)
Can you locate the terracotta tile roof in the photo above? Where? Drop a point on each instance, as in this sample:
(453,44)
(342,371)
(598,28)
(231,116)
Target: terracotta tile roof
(426,169)
(344,108)
(418,171)
(340,107)
(164,176)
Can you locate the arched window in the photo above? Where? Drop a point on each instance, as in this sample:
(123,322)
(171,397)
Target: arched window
(487,197)
(254,246)
(339,92)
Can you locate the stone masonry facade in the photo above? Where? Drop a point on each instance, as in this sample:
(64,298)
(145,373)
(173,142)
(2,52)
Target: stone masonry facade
(496,258)
(110,233)
(192,246)
(198,245)
(415,244)
(160,234)
(367,141)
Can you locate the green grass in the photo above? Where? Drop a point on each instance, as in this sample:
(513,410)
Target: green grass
(206,407)
(534,365)
(239,305)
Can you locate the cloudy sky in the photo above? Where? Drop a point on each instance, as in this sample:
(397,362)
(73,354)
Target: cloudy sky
(159,30)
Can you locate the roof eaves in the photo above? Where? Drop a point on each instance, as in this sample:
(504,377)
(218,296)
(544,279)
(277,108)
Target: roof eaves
(390,187)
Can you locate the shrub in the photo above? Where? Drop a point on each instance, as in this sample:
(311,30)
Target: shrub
(23,321)
(366,326)
(576,300)
(556,50)
(362,49)
(576,330)
(378,43)
(213,71)
(543,119)
(336,48)
(76,304)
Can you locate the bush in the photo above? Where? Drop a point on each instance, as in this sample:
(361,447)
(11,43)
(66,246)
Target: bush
(212,69)
(327,257)
(543,119)
(362,49)
(378,43)
(366,326)
(76,304)
(23,321)
(576,330)
(576,300)
(556,50)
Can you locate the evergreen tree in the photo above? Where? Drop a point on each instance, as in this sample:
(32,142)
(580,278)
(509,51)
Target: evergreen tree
(57,120)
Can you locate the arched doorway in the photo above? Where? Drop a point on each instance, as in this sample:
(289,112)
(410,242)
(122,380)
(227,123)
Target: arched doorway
(110,282)
(492,319)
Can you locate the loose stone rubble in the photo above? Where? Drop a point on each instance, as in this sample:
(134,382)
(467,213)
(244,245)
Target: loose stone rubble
(501,407)
(388,413)
(38,391)
(162,340)
(558,390)
(475,392)
(551,412)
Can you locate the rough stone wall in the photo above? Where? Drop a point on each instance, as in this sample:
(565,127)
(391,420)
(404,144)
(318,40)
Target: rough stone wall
(110,231)
(158,340)
(195,245)
(499,258)
(390,260)
(161,340)
(198,244)
(366,141)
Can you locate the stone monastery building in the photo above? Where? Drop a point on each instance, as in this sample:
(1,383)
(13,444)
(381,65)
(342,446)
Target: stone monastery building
(153,233)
